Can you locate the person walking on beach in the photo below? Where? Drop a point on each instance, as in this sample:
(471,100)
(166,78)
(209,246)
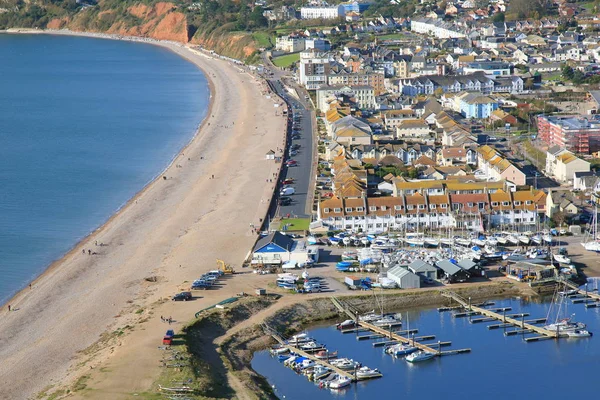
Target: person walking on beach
(89,252)
(170,320)
(9,307)
(83,251)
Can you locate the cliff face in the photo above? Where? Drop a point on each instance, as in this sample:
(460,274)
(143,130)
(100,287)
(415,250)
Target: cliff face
(163,21)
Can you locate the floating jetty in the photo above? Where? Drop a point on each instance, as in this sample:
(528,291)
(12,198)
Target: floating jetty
(325,363)
(506,320)
(591,299)
(395,336)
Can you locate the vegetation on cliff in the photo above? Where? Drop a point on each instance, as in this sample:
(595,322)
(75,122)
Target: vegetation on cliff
(226,26)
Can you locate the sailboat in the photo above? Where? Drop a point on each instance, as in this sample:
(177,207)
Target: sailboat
(561,324)
(592,243)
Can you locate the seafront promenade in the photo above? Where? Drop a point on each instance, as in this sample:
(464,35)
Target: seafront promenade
(174,228)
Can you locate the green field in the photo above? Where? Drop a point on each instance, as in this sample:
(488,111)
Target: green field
(286,60)
(392,36)
(295,224)
(264,39)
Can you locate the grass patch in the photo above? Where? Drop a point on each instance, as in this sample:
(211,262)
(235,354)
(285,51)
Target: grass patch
(263,39)
(81,383)
(286,60)
(392,36)
(295,224)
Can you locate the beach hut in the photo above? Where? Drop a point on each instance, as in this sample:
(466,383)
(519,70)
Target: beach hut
(270,155)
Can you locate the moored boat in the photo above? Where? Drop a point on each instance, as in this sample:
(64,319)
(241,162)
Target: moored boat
(367,373)
(579,333)
(340,382)
(419,356)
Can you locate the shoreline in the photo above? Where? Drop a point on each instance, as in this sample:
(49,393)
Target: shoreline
(77,246)
(159,233)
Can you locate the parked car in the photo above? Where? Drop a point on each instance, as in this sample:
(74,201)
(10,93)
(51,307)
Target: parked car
(288,181)
(286,201)
(287,191)
(293,153)
(291,163)
(295,146)
(183,296)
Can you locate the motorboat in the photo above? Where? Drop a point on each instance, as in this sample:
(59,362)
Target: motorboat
(300,338)
(561,259)
(311,347)
(334,241)
(592,246)
(367,373)
(320,372)
(419,356)
(340,382)
(478,242)
(415,242)
(399,350)
(579,333)
(311,240)
(345,364)
(491,241)
(365,241)
(283,357)
(547,238)
(305,364)
(537,239)
(279,350)
(325,355)
(568,292)
(347,324)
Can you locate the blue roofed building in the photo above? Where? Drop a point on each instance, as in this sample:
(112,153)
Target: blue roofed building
(476,105)
(277,249)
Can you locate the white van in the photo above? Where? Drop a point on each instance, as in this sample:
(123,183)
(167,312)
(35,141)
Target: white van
(287,191)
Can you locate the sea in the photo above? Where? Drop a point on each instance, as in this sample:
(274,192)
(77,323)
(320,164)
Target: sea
(498,366)
(85,124)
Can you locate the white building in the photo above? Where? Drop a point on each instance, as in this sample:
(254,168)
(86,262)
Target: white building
(437,28)
(363,95)
(562,164)
(313,68)
(328,12)
(290,44)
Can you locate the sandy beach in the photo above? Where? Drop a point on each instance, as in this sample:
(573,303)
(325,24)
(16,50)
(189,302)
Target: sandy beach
(173,230)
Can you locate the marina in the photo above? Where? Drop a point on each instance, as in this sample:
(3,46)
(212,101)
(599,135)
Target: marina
(512,357)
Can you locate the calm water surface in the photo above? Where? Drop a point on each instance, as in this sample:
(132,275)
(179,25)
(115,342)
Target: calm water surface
(498,367)
(84,125)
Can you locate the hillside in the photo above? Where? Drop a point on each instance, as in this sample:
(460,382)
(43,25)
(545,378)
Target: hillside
(221,25)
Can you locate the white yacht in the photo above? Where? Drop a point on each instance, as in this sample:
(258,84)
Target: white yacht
(340,382)
(579,333)
(559,258)
(366,373)
(388,320)
(419,356)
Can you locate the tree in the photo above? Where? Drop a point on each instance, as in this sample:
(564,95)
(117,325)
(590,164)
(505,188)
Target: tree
(529,8)
(438,92)
(559,218)
(257,19)
(498,17)
(567,72)
(528,84)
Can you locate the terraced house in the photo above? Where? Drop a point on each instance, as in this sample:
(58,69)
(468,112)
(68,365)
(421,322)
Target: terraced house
(424,211)
(492,163)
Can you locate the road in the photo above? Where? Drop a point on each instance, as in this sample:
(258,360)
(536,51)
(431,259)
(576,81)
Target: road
(301,173)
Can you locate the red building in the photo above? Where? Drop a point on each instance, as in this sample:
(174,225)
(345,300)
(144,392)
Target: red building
(577,134)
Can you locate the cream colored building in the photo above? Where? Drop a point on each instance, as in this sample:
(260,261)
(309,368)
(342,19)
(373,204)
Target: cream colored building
(562,164)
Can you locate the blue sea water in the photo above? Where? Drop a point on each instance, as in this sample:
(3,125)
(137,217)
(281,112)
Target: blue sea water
(84,125)
(498,367)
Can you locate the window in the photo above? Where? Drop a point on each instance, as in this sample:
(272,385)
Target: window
(528,202)
(373,208)
(422,215)
(421,206)
(359,209)
(409,207)
(505,203)
(432,206)
(481,205)
(326,210)
(517,203)
(444,205)
(456,206)
(337,210)
(433,214)
(348,209)
(383,208)
(470,204)
(348,218)
(494,203)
